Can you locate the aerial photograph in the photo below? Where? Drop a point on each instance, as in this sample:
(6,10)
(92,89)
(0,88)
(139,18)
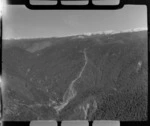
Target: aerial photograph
(75,64)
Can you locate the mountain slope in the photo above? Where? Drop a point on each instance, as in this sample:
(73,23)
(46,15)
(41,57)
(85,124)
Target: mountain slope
(108,71)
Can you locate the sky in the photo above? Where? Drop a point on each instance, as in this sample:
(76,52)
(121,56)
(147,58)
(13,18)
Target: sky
(20,22)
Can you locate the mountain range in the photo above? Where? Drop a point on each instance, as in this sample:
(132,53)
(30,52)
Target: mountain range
(98,76)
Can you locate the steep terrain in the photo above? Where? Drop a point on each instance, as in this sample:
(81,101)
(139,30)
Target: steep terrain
(97,77)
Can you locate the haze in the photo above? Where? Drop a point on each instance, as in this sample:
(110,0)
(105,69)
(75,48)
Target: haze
(20,22)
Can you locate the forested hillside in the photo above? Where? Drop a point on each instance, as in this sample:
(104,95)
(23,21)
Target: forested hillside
(97,77)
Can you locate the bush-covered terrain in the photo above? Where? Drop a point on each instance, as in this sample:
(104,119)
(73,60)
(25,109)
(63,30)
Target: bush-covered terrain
(108,72)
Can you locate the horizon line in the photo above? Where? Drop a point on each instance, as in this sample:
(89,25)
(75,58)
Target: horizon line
(85,34)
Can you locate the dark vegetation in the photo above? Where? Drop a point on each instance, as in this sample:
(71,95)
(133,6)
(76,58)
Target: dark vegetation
(113,76)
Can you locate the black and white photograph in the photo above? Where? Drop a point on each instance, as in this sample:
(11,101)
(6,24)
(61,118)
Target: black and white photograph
(74,64)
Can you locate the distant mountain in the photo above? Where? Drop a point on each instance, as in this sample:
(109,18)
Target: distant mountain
(94,77)
(27,42)
(86,34)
